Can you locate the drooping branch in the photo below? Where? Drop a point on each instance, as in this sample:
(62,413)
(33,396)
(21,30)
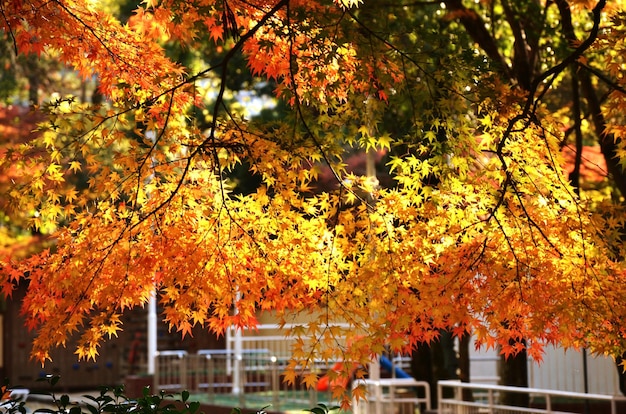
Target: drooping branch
(608,146)
(476,28)
(551,73)
(607,141)
(603,77)
(231,53)
(522,55)
(546,78)
(575,174)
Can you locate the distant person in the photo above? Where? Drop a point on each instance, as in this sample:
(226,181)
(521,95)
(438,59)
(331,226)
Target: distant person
(134,354)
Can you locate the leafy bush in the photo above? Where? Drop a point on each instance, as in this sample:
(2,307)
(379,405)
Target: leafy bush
(112,400)
(109,400)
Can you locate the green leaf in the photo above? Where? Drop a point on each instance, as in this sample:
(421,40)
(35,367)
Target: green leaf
(64,400)
(92,409)
(75,410)
(118,391)
(194,407)
(322,409)
(146,391)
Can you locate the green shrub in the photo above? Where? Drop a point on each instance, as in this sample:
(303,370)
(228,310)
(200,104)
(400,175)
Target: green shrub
(112,400)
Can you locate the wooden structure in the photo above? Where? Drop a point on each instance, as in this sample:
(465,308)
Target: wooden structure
(112,365)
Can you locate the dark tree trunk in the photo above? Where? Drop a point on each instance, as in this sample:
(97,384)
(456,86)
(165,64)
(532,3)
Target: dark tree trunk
(464,365)
(621,373)
(422,369)
(514,372)
(434,362)
(33,74)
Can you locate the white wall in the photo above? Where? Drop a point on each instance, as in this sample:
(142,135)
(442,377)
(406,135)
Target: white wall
(559,370)
(563,370)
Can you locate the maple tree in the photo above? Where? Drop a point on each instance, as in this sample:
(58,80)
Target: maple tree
(482,230)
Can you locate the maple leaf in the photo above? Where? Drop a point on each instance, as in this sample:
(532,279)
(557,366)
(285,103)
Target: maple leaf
(216,29)
(289,377)
(310,379)
(185,327)
(87,352)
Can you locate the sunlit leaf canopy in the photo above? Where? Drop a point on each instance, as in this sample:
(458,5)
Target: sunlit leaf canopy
(481,228)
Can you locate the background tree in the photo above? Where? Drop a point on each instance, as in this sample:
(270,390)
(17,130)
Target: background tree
(481,232)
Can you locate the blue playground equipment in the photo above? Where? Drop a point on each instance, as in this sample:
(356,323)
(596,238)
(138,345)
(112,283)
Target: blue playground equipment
(386,364)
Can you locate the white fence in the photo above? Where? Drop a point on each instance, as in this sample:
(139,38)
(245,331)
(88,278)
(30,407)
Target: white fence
(252,379)
(273,337)
(560,370)
(487,400)
(392,395)
(171,371)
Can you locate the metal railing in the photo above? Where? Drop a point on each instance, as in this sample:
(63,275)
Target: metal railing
(273,337)
(252,379)
(170,371)
(556,371)
(487,399)
(392,395)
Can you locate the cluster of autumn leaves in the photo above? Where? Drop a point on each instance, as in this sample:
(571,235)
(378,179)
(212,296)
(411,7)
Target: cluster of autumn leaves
(482,233)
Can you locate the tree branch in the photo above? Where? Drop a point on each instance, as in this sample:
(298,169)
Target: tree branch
(575,174)
(607,142)
(475,27)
